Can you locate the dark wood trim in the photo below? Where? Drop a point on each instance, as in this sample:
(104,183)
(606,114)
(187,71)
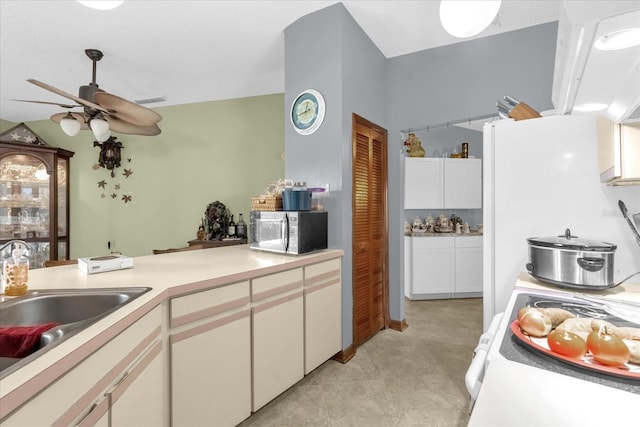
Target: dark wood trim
(355,121)
(398,325)
(345,355)
(216,243)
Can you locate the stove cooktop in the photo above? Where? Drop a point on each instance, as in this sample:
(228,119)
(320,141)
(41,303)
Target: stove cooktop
(512,349)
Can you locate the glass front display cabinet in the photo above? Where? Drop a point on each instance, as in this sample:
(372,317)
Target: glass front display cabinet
(34,196)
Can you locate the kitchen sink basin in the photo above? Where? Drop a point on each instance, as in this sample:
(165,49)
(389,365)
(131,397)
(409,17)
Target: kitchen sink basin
(71,309)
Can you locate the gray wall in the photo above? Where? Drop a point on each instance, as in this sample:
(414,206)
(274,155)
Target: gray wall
(328,51)
(452,83)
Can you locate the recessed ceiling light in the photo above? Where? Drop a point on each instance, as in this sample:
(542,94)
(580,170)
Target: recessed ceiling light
(590,106)
(101,4)
(622,39)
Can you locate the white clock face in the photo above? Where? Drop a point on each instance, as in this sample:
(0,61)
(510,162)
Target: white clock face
(307,112)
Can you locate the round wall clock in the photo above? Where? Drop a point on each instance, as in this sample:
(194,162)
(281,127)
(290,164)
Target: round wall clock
(307,112)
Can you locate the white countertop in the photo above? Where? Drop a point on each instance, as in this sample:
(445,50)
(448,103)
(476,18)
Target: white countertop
(515,394)
(167,274)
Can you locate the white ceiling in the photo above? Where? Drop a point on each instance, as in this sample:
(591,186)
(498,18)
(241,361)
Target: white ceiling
(193,51)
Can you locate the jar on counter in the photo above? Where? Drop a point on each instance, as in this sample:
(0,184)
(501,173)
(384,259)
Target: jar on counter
(15,273)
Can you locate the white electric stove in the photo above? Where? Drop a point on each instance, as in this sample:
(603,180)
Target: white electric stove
(515,384)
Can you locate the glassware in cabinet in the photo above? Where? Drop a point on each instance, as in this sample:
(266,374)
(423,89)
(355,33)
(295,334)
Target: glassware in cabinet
(34,196)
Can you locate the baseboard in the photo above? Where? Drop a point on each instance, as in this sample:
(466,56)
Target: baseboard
(398,325)
(345,355)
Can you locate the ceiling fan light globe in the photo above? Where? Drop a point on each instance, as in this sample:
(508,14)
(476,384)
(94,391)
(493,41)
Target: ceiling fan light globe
(70,126)
(103,136)
(100,129)
(467,18)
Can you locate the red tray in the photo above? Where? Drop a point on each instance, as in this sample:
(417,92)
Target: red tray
(629,370)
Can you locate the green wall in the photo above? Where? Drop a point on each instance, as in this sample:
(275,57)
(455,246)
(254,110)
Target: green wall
(221,150)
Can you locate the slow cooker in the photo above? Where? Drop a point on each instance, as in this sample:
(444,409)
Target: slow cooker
(572,262)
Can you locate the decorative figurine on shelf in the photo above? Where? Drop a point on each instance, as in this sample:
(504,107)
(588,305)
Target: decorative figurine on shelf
(217,217)
(200,233)
(414,146)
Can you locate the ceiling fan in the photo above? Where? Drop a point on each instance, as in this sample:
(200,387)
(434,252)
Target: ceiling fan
(103,112)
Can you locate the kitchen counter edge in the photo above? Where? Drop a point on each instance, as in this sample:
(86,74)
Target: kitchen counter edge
(169,275)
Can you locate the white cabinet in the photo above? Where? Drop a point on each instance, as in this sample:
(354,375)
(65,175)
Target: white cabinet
(211,356)
(433,183)
(408,264)
(322,313)
(135,398)
(123,380)
(278,334)
(433,267)
(462,183)
(208,357)
(618,152)
(443,267)
(468,271)
(423,183)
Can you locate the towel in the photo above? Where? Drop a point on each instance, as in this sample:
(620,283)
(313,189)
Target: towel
(21,341)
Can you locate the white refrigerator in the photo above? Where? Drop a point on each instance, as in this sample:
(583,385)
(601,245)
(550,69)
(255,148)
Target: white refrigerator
(540,177)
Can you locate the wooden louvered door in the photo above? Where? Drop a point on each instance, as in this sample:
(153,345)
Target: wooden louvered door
(370,248)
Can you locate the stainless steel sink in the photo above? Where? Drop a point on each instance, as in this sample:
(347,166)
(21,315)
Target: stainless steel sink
(72,309)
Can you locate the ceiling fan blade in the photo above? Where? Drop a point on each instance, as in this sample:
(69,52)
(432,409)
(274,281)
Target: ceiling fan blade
(128,111)
(67,95)
(123,126)
(83,118)
(49,103)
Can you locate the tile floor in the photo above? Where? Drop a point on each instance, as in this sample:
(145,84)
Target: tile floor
(396,379)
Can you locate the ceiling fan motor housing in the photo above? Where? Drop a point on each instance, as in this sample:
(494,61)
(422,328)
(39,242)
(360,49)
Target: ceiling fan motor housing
(87,92)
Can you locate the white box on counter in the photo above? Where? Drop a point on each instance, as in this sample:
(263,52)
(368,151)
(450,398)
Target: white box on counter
(100,264)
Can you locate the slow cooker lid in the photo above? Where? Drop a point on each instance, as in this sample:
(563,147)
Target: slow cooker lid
(567,241)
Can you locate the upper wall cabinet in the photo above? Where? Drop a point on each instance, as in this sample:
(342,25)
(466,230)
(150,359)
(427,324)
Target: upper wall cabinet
(423,183)
(618,152)
(462,183)
(433,183)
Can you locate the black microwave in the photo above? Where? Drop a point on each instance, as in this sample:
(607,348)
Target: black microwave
(289,232)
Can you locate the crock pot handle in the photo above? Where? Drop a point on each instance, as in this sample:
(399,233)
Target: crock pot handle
(591,264)
(530,267)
